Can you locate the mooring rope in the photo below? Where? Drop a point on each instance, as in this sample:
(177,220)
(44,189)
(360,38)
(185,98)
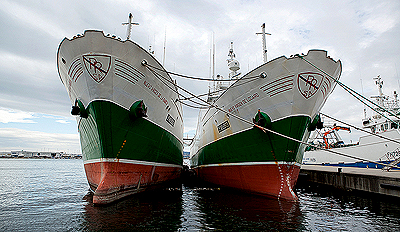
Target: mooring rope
(263,128)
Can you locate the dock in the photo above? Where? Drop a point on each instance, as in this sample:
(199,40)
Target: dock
(349,178)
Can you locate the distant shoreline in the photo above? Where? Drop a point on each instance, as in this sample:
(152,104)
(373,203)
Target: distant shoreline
(71,157)
(22,154)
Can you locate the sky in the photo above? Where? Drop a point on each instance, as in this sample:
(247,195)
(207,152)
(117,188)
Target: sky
(34,105)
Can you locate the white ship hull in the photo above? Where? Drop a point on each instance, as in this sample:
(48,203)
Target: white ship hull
(281,94)
(122,78)
(231,152)
(130,123)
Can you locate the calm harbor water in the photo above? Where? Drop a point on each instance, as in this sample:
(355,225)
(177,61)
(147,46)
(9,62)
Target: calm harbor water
(52,195)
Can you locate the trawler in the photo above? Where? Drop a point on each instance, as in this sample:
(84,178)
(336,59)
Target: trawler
(378,149)
(129,121)
(251,136)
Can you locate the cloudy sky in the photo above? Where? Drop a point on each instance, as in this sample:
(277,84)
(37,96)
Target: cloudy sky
(34,105)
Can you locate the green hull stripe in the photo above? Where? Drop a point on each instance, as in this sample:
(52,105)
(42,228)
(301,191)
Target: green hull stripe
(108,132)
(254,145)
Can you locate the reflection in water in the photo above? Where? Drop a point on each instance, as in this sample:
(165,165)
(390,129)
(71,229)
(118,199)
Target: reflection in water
(158,210)
(46,195)
(230,210)
(194,209)
(214,209)
(326,208)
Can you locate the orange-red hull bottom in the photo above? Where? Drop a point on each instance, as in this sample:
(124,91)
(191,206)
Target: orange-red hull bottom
(111,181)
(276,180)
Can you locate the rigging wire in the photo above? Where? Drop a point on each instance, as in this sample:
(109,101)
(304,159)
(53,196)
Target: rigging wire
(250,79)
(360,129)
(221,90)
(266,129)
(158,75)
(196,78)
(196,107)
(353,92)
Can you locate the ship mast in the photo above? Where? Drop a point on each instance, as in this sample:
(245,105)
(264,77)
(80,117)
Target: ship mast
(264,41)
(213,61)
(380,98)
(129,23)
(233,64)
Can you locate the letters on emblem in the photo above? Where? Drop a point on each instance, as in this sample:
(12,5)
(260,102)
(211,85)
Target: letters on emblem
(309,83)
(97,66)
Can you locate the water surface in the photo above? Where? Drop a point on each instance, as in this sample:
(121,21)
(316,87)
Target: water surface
(52,195)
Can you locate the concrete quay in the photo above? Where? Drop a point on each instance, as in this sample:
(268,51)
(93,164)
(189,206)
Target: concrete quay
(349,178)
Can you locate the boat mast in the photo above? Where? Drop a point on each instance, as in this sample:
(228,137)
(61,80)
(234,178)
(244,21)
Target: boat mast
(165,44)
(233,64)
(362,91)
(213,61)
(264,41)
(212,94)
(231,56)
(129,23)
(379,84)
